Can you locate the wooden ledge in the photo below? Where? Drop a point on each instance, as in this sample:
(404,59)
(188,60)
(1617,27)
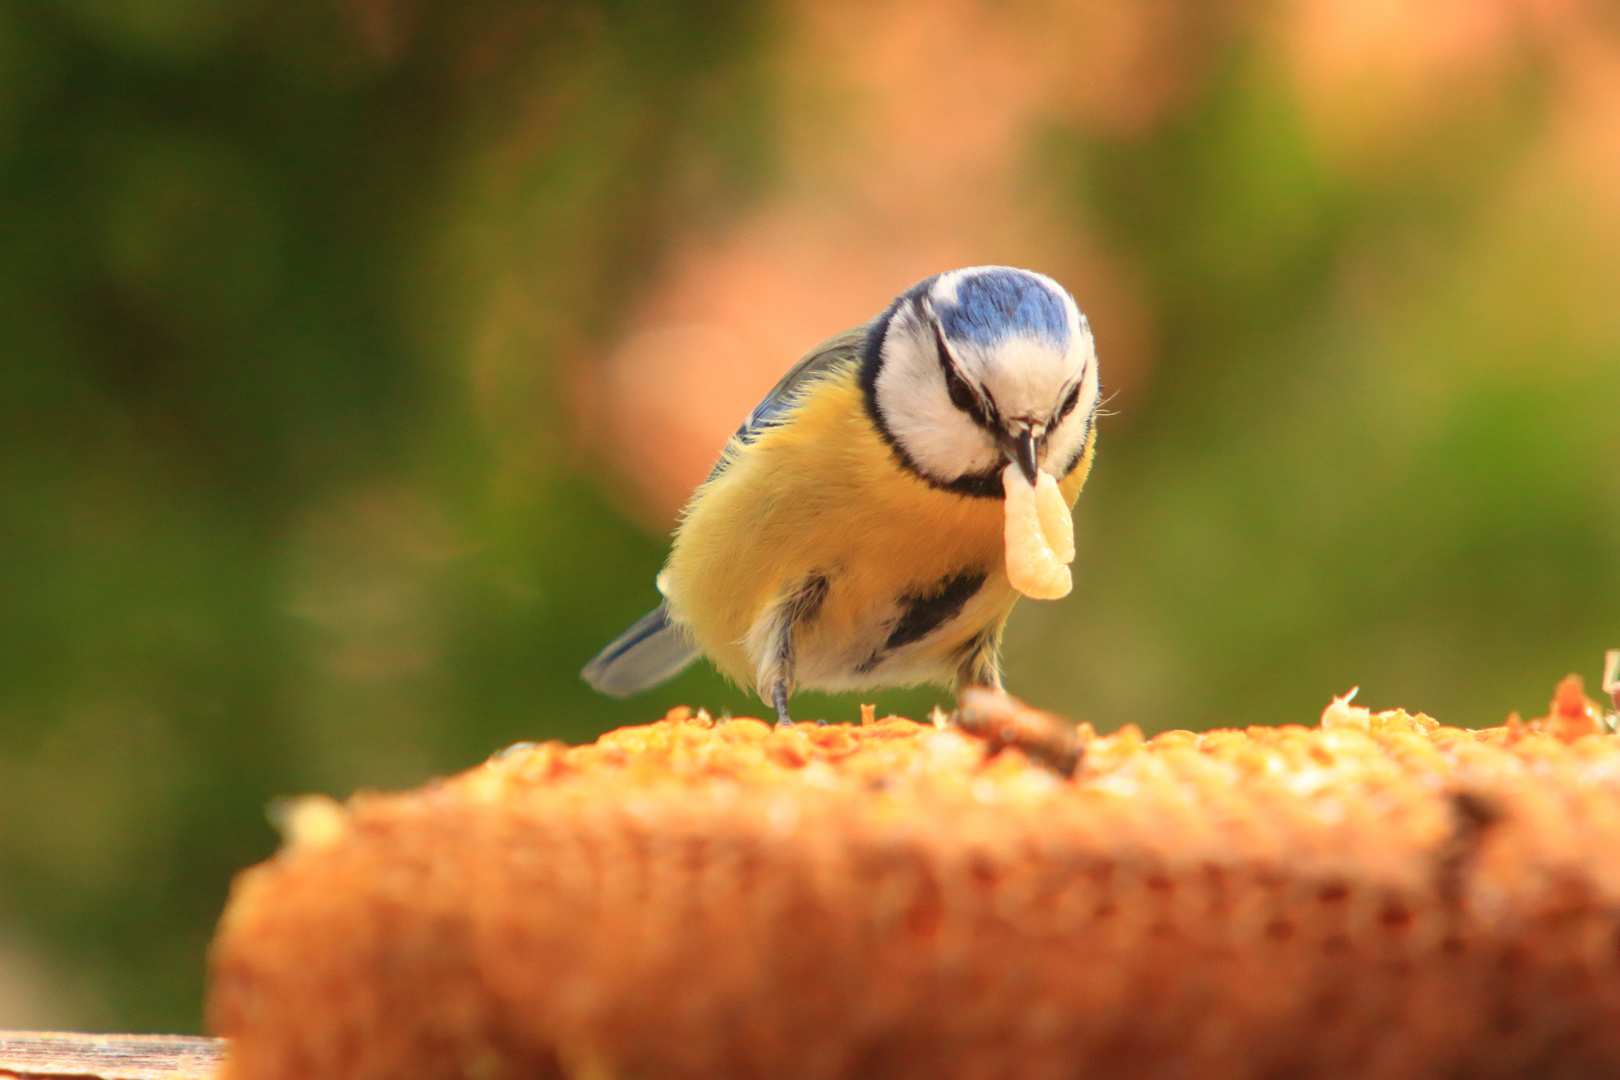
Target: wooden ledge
(26,1054)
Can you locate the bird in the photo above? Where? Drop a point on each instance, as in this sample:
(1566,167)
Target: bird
(857,531)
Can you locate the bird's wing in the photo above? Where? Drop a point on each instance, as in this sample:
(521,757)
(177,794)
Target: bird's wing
(655,648)
(835,351)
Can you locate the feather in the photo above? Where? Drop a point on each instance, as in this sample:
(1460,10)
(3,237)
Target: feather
(650,652)
(819,362)
(824,495)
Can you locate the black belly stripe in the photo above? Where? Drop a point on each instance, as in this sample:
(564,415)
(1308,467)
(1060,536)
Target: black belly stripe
(921,613)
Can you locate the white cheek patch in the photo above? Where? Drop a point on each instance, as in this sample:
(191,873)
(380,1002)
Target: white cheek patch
(1039,535)
(937,436)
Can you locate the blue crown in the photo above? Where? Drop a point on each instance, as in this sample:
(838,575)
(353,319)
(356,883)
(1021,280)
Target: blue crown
(994,305)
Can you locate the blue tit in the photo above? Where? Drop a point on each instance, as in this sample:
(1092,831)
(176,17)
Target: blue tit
(854,533)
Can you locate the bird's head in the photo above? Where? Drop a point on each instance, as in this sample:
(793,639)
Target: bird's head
(978,367)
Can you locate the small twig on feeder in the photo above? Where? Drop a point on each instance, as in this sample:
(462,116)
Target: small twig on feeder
(1003,721)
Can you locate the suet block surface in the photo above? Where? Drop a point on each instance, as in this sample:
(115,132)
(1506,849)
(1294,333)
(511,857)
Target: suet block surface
(1377,896)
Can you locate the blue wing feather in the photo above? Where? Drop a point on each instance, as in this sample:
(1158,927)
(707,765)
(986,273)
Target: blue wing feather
(655,648)
(828,356)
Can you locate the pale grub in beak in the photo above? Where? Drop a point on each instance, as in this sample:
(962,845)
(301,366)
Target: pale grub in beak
(1039,535)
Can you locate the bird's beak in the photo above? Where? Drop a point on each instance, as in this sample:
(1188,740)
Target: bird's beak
(1021,448)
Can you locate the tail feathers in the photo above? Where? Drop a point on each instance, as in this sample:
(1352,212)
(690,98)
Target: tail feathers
(651,651)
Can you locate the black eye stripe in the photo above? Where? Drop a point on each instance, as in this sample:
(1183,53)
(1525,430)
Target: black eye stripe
(961,396)
(981,410)
(1068,405)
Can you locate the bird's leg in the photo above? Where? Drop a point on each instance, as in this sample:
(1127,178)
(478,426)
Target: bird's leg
(777,662)
(773,672)
(981,663)
(774,675)
(985,710)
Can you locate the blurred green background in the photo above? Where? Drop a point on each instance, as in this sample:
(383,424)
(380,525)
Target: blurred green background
(302,305)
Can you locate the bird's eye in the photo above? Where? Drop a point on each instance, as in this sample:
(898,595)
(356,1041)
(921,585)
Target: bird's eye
(1068,405)
(962,395)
